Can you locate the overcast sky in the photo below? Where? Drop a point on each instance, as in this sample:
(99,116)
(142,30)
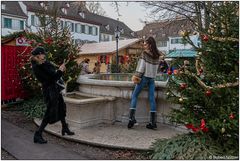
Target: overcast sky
(131,13)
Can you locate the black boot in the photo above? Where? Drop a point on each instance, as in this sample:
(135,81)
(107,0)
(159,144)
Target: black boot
(152,124)
(132,119)
(38,138)
(65,128)
(38,134)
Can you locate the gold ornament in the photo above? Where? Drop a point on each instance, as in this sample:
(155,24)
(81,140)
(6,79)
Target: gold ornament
(223,130)
(183,33)
(180,99)
(50,55)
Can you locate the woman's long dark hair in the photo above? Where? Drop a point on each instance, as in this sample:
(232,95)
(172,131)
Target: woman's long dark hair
(153,47)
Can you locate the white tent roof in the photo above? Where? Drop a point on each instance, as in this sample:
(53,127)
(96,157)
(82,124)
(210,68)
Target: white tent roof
(106,47)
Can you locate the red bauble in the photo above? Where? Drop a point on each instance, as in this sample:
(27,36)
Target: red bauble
(231,116)
(175,72)
(169,72)
(48,40)
(200,71)
(205,38)
(208,93)
(183,86)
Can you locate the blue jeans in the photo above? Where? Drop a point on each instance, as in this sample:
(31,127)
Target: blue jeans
(138,88)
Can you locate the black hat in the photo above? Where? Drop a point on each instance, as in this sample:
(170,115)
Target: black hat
(38,50)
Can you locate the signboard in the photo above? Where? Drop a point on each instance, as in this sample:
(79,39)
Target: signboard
(21,41)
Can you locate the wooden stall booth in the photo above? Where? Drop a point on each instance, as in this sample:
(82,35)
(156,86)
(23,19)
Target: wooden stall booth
(105,52)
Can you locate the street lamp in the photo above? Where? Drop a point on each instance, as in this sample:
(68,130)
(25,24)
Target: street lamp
(117,36)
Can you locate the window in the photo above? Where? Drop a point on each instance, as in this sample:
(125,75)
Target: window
(102,37)
(177,41)
(21,25)
(43,5)
(107,27)
(7,23)
(72,29)
(83,28)
(162,43)
(35,21)
(90,30)
(82,14)
(61,24)
(69,25)
(64,10)
(103,58)
(86,29)
(32,20)
(106,37)
(78,28)
(3,6)
(67,5)
(96,30)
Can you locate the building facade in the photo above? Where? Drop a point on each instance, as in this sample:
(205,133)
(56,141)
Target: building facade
(13,18)
(84,26)
(166,33)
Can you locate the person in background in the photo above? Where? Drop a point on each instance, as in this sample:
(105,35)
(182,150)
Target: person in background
(85,67)
(46,73)
(97,68)
(145,76)
(108,69)
(163,66)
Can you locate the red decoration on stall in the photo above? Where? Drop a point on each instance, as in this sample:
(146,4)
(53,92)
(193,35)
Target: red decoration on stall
(107,59)
(11,59)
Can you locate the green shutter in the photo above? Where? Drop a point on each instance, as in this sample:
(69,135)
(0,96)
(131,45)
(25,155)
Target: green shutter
(96,31)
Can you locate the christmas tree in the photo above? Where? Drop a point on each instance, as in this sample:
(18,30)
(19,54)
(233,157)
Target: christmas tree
(207,92)
(60,49)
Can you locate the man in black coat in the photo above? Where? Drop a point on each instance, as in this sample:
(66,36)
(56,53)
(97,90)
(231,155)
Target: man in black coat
(46,73)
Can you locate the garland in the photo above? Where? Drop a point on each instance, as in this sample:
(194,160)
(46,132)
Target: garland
(203,85)
(225,39)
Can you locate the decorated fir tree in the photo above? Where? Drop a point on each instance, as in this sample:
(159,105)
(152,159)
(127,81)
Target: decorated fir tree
(59,46)
(207,92)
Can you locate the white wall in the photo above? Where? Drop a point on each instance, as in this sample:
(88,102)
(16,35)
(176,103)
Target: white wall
(182,46)
(164,49)
(75,35)
(170,46)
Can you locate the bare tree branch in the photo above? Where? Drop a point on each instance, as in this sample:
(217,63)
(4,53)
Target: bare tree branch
(96,8)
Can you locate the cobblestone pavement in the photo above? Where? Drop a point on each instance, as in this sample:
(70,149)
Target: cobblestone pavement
(6,156)
(16,116)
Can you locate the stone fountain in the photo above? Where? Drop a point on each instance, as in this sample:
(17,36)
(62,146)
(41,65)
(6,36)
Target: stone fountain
(105,98)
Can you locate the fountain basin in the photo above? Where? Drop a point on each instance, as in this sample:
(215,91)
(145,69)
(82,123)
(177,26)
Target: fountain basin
(122,90)
(85,110)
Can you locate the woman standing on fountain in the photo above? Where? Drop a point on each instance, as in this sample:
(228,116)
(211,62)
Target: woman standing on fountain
(145,75)
(46,73)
